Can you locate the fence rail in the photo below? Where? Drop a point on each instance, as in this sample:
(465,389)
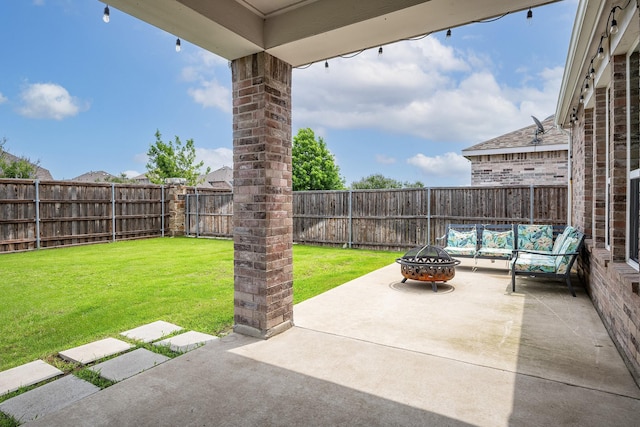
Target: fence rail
(390,219)
(44,214)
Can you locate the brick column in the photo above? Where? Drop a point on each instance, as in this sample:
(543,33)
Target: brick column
(618,158)
(262,199)
(176,208)
(599,166)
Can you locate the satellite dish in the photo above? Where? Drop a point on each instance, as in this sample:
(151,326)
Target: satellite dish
(539,130)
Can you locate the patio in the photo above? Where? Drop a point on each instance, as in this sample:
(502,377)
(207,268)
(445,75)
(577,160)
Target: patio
(378,352)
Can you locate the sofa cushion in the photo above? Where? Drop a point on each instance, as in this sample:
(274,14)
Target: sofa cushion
(495,252)
(535,263)
(569,245)
(535,237)
(462,239)
(497,239)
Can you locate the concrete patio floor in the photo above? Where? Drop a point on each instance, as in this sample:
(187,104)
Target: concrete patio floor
(378,352)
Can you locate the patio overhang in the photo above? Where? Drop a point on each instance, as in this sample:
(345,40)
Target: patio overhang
(588,32)
(304,31)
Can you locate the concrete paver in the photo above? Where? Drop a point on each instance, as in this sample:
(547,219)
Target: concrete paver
(96,350)
(187,341)
(152,331)
(128,364)
(26,375)
(47,399)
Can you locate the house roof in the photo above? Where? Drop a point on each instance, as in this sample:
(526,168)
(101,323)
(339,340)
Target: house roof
(41,173)
(98,176)
(523,140)
(304,31)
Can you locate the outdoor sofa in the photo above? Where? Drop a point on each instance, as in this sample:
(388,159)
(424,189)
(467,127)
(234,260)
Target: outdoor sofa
(531,249)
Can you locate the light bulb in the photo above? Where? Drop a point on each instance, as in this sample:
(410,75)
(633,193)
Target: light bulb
(592,73)
(178,46)
(614,26)
(105,17)
(581,99)
(380,51)
(600,52)
(529,15)
(448,33)
(326,66)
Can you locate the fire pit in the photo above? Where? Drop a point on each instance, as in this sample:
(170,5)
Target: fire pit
(428,264)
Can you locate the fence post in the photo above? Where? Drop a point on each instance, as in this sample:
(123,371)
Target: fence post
(113,211)
(197,213)
(531,201)
(37,184)
(162,208)
(187,214)
(350,225)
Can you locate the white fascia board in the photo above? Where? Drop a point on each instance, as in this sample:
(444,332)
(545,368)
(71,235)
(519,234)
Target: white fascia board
(511,150)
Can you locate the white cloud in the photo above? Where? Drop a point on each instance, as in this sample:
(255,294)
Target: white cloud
(38,2)
(215,158)
(421,88)
(206,88)
(48,101)
(3,98)
(385,160)
(448,165)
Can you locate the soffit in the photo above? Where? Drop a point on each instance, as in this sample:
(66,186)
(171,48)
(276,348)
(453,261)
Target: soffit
(304,31)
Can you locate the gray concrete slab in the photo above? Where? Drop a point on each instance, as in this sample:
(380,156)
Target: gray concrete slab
(96,350)
(128,364)
(377,352)
(26,375)
(187,341)
(47,399)
(151,331)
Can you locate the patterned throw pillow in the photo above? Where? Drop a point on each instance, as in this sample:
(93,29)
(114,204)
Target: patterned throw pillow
(462,239)
(562,262)
(497,239)
(535,237)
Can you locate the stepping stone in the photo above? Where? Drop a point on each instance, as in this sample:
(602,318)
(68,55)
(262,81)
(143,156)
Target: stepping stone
(129,364)
(26,375)
(49,398)
(187,341)
(152,331)
(96,350)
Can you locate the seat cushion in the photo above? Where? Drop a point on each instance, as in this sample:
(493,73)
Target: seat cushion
(535,237)
(495,252)
(452,250)
(535,263)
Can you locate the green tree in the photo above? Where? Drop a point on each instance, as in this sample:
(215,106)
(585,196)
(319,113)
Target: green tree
(173,160)
(379,181)
(314,167)
(20,167)
(122,179)
(375,181)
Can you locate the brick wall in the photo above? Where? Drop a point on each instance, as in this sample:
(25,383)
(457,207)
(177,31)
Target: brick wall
(538,168)
(612,284)
(263,220)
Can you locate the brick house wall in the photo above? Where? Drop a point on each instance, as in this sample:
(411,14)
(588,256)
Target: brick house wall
(537,168)
(610,281)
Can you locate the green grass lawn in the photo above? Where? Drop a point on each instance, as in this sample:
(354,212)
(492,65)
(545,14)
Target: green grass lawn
(61,298)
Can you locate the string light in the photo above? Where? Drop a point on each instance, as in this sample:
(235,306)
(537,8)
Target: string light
(105,16)
(600,54)
(178,45)
(448,33)
(326,66)
(529,15)
(380,51)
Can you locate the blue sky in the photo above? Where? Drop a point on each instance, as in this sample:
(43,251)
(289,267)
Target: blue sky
(80,95)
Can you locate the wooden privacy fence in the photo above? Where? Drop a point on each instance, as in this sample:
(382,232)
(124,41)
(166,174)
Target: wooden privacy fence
(390,219)
(46,214)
